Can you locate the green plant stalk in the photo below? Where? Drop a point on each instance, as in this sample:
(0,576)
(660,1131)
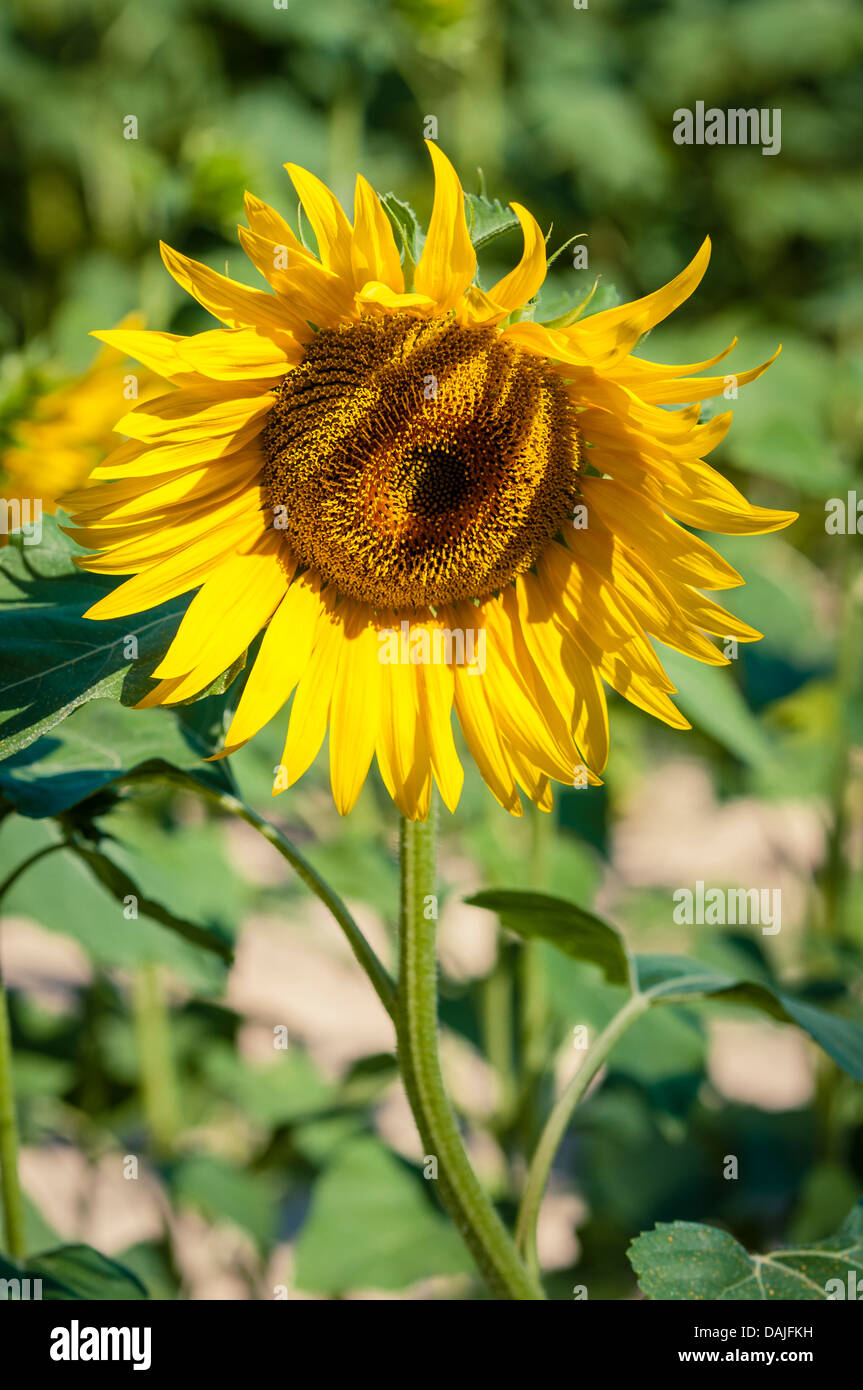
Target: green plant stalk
(417,1028)
(156,1062)
(13,1209)
(558,1123)
(382,982)
(533,990)
(10,1186)
(496,1004)
(835,874)
(27,863)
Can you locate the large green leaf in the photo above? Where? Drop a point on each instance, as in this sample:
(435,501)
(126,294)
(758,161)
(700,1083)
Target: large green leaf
(669,978)
(686,1260)
(372,1226)
(54,658)
(76,1272)
(61,893)
(101,744)
(576,932)
(123,888)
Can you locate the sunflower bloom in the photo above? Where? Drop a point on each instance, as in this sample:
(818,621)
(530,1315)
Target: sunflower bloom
(71,429)
(379,474)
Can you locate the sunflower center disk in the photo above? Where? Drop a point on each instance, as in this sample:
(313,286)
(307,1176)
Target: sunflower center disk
(416,463)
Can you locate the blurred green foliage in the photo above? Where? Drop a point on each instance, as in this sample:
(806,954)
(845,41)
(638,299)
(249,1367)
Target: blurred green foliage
(570,112)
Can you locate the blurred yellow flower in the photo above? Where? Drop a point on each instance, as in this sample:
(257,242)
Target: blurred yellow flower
(72,428)
(385,476)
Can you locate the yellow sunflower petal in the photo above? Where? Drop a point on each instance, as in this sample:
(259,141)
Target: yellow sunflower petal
(436,690)
(448,261)
(311,708)
(403,753)
(536,784)
(375,295)
(192,414)
(282,658)
(240,354)
(310,293)
(700,388)
(648,531)
(483,739)
(234,304)
(228,612)
(179,573)
(652,308)
(521,284)
(355,710)
(139,460)
(270,225)
(157,351)
(374,254)
(572,680)
(331,227)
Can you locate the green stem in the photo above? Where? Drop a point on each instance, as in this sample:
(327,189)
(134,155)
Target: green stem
(27,863)
(13,1209)
(381,980)
(496,1004)
(156,1062)
(558,1123)
(533,990)
(417,1028)
(10,1186)
(835,873)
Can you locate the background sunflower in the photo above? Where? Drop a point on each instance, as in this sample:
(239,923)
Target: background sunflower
(569,113)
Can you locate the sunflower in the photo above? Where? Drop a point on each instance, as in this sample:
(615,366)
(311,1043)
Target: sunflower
(386,476)
(71,428)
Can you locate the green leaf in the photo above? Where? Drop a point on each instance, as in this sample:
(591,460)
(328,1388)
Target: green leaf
(686,1260)
(54,658)
(61,894)
(576,932)
(290,1088)
(224,1191)
(372,1226)
(670,978)
(406,227)
(667,979)
(77,1272)
(487,219)
(101,744)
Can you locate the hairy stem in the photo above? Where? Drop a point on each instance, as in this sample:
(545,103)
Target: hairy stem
(417,1029)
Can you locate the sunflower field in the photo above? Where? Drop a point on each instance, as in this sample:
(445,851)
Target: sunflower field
(431,651)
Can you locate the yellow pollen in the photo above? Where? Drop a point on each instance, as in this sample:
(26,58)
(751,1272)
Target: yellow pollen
(415,462)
